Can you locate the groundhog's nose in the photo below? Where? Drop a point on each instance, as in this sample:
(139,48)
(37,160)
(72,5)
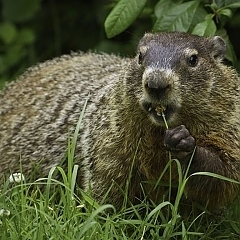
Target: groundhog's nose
(157,89)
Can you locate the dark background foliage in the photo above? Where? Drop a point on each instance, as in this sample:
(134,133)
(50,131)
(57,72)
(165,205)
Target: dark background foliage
(36,30)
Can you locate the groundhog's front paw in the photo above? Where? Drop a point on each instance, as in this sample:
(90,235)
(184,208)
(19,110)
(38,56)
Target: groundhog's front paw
(179,141)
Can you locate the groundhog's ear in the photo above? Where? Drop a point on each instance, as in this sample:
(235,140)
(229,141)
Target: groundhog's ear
(219,47)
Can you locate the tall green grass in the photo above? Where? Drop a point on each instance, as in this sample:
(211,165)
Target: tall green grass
(61,210)
(58,212)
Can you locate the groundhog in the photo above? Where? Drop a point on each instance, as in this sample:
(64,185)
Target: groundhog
(176,81)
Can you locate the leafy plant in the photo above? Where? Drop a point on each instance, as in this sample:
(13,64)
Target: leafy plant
(201,17)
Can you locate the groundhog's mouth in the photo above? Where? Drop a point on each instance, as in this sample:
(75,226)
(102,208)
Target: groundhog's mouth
(158,112)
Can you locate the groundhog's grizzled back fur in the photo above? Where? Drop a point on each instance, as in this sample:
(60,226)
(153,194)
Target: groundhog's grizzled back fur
(40,110)
(175,74)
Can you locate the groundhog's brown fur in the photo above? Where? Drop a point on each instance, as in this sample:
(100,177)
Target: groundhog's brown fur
(122,131)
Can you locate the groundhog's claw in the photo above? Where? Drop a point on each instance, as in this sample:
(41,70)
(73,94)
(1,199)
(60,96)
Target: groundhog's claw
(179,141)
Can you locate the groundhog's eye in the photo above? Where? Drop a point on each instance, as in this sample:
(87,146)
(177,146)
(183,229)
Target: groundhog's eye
(193,60)
(140,58)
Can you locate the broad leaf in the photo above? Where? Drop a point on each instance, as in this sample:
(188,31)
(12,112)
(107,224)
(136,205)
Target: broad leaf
(227,12)
(234,5)
(205,28)
(122,16)
(161,7)
(227,3)
(199,16)
(177,17)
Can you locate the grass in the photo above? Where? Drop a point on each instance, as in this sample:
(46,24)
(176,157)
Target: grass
(58,212)
(63,211)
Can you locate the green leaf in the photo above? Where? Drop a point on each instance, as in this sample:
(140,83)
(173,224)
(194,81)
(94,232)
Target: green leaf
(8,32)
(225,3)
(234,5)
(26,36)
(227,12)
(19,10)
(122,16)
(198,17)
(161,7)
(177,17)
(214,175)
(213,6)
(205,28)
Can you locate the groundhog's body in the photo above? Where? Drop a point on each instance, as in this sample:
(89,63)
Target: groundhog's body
(122,131)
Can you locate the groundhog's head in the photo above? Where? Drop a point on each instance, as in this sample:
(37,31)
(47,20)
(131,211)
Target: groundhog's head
(177,73)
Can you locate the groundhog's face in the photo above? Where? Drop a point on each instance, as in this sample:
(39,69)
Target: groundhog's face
(175,68)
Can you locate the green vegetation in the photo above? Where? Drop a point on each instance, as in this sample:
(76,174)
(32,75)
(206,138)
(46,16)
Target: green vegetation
(26,212)
(33,31)
(57,212)
(56,208)
(204,18)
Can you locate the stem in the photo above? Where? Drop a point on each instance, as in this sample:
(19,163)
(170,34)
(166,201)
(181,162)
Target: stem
(165,121)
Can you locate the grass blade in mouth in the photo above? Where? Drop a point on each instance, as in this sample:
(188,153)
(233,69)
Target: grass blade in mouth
(160,112)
